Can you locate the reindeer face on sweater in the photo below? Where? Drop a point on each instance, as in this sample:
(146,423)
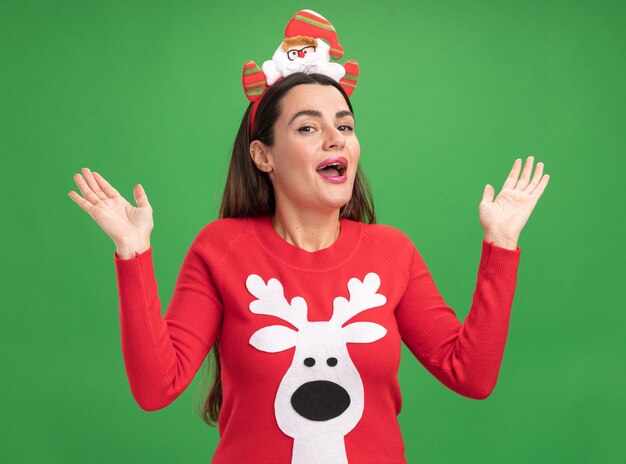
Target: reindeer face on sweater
(321,393)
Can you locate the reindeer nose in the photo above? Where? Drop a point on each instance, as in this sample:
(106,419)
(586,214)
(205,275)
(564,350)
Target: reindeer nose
(320,400)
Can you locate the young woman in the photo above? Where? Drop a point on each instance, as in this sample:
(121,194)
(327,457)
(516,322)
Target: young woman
(304,299)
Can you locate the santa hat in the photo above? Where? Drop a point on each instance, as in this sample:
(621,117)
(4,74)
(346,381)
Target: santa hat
(312,24)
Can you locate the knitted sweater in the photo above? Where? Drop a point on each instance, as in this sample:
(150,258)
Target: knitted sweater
(310,342)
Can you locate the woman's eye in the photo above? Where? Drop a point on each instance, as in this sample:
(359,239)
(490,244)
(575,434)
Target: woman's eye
(342,127)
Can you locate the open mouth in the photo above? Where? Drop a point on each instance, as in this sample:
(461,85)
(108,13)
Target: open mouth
(333,167)
(332,170)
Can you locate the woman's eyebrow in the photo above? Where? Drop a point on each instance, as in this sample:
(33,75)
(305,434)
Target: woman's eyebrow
(316,113)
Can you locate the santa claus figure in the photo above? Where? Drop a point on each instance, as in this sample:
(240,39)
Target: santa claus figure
(310,45)
(301,53)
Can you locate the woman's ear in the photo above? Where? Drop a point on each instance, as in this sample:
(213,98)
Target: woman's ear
(259,154)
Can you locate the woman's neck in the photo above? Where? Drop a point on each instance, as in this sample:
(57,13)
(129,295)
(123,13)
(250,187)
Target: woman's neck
(309,231)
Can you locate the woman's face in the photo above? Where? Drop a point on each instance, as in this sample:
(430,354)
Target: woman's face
(315,129)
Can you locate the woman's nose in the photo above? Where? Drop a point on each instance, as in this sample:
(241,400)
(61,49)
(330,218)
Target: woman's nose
(335,139)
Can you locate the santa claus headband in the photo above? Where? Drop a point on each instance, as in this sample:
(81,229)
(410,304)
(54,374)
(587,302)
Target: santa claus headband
(303,50)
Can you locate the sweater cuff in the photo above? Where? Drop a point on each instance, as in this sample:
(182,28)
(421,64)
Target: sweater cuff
(134,271)
(499,260)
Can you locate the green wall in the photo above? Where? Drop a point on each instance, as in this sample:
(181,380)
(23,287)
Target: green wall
(450,94)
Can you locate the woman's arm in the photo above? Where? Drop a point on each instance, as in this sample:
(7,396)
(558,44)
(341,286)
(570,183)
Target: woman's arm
(466,356)
(163,353)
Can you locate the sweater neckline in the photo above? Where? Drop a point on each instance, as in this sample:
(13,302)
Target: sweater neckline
(331,256)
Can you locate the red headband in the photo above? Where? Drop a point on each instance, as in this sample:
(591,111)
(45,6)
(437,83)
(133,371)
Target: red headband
(302,50)
(256,103)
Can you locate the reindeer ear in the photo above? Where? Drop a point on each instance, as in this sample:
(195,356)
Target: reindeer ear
(274,338)
(348,81)
(253,80)
(363,332)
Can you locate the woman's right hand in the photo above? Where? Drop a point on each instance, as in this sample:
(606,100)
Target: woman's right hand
(125,224)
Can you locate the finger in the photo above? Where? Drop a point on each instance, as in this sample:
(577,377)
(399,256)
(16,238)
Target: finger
(488,194)
(541,187)
(523,181)
(536,178)
(93,185)
(85,190)
(140,196)
(84,204)
(512,179)
(105,186)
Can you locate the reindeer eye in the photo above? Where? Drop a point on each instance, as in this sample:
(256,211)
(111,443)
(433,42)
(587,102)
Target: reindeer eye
(332,362)
(309,362)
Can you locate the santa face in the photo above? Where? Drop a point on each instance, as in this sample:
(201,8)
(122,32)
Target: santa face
(294,53)
(300,57)
(315,154)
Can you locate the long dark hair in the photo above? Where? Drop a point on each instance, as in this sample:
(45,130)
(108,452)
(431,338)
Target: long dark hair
(248,191)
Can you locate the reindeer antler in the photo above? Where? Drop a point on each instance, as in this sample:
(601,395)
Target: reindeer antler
(362,296)
(271,301)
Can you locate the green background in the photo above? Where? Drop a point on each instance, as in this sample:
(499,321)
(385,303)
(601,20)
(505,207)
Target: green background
(450,94)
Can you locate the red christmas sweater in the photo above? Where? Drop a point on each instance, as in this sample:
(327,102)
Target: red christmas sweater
(309,342)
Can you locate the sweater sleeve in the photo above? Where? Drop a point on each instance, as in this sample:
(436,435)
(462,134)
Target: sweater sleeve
(466,356)
(163,353)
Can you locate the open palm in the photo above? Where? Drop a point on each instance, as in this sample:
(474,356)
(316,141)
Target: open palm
(507,215)
(114,214)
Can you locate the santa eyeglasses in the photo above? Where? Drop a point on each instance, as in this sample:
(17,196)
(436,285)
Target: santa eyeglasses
(294,53)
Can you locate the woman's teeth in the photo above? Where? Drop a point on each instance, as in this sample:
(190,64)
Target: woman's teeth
(332,170)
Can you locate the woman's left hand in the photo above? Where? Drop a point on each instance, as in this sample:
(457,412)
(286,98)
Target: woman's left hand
(504,218)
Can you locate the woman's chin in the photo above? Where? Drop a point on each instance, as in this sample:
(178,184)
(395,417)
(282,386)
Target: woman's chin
(337,202)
